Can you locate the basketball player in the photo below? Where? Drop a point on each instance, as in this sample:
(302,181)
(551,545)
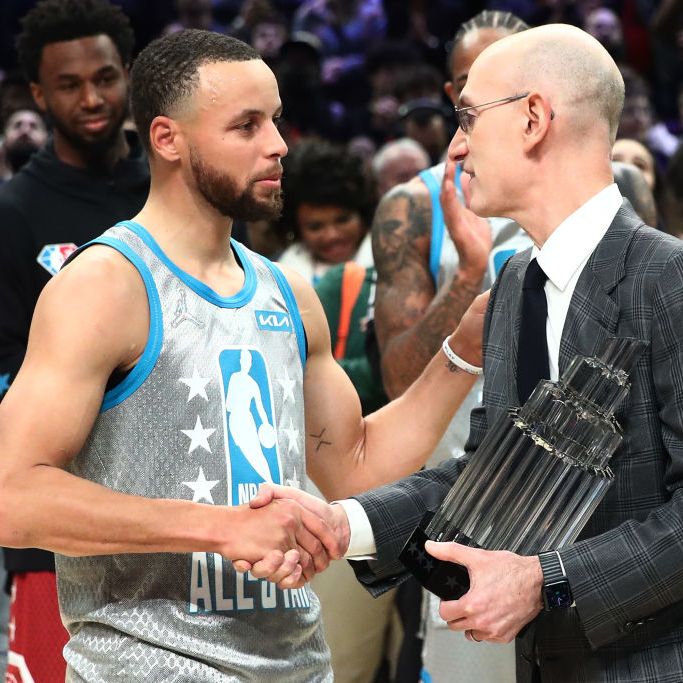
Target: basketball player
(117,450)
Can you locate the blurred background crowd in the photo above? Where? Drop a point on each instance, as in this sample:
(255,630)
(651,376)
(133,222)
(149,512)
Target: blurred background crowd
(361,73)
(365,108)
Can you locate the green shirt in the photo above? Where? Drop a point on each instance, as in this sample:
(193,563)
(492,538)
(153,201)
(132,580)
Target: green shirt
(355,361)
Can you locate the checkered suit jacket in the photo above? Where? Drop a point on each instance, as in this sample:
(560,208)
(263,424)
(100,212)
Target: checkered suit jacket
(626,569)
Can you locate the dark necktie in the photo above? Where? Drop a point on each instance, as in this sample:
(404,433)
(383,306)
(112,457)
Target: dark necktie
(532,352)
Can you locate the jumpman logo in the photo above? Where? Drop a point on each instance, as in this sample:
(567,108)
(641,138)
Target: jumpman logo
(181,313)
(242,391)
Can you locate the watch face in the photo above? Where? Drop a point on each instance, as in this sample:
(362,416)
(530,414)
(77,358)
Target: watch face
(558,595)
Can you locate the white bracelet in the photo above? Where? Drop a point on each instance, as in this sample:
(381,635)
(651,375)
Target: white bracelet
(459,362)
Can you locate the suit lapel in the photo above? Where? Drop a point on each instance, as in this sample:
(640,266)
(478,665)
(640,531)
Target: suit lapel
(593,314)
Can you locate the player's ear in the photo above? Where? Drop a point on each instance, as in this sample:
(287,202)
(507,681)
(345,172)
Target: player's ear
(165,138)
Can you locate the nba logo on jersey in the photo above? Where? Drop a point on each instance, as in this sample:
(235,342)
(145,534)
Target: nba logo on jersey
(249,423)
(52,256)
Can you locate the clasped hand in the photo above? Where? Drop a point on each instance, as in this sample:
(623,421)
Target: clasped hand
(504,594)
(296,535)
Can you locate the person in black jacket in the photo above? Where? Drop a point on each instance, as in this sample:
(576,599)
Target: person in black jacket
(91,174)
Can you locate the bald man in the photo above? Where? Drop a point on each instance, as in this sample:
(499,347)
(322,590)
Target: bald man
(538,117)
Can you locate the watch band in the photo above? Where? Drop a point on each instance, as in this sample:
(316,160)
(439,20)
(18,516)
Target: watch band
(557,593)
(552,567)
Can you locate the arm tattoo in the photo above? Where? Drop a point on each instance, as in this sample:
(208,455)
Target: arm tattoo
(321,440)
(412,319)
(400,219)
(452,367)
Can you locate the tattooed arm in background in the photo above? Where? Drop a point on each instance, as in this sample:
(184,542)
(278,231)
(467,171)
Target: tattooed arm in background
(347,453)
(411,318)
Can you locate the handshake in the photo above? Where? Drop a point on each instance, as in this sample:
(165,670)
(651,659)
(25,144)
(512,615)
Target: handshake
(289,536)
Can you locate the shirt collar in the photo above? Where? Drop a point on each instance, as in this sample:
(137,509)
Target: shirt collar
(575,239)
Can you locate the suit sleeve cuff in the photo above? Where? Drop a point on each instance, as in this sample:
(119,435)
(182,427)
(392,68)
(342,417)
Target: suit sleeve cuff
(362,539)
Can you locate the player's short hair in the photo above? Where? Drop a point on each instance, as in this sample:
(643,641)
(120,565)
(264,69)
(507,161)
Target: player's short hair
(165,73)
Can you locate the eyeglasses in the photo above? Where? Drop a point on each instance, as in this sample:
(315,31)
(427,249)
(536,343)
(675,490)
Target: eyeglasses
(466,119)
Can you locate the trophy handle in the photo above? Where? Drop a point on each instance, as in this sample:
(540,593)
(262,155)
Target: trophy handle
(447,580)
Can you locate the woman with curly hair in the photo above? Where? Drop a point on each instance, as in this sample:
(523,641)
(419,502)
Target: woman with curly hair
(328,208)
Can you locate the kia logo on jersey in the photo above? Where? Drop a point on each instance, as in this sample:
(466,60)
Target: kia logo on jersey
(273,321)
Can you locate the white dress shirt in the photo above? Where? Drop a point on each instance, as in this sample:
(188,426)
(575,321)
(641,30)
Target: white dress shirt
(562,257)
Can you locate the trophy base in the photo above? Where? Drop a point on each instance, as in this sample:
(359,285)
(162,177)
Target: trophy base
(447,580)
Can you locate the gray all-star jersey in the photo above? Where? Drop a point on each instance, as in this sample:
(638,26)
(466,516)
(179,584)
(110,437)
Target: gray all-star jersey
(213,408)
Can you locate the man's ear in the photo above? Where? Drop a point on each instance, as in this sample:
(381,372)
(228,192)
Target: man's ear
(38,97)
(164,137)
(538,117)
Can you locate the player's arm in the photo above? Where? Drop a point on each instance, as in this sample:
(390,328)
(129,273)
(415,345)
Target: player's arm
(347,453)
(90,320)
(411,321)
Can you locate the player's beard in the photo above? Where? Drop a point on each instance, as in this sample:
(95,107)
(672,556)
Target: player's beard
(222,193)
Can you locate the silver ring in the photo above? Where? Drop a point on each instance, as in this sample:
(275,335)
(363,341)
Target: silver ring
(472,636)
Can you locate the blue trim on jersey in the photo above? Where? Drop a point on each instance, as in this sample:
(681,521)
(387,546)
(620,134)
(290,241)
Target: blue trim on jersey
(438,227)
(292,307)
(133,381)
(238,300)
(425,676)
(438,223)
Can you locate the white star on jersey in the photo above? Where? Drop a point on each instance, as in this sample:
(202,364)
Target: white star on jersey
(197,385)
(201,487)
(287,385)
(198,436)
(294,481)
(293,436)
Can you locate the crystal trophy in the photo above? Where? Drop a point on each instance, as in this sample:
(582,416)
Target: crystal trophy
(539,473)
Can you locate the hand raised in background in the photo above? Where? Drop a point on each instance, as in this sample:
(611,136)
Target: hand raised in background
(470,233)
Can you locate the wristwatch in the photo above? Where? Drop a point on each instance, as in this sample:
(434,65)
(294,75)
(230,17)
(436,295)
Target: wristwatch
(556,591)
